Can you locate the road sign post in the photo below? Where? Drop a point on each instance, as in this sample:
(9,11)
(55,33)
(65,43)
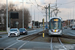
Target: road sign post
(17,24)
(43,27)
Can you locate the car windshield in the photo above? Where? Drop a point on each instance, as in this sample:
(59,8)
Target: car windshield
(21,29)
(13,29)
(73,26)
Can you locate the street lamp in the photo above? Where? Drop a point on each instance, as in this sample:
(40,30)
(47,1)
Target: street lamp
(46,13)
(31,12)
(31,6)
(23,13)
(46,18)
(7,15)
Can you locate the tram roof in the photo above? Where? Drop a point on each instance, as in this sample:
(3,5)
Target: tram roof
(55,17)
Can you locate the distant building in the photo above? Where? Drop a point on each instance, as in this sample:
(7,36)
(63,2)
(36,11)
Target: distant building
(71,22)
(30,25)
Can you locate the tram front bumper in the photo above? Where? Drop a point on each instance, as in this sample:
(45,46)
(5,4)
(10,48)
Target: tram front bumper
(55,33)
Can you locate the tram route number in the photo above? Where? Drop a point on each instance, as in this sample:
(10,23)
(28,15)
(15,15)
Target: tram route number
(55,19)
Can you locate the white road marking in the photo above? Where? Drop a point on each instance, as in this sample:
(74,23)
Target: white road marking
(32,31)
(22,45)
(22,36)
(11,45)
(19,38)
(51,44)
(62,44)
(26,35)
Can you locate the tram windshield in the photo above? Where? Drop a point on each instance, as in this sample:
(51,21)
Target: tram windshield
(55,23)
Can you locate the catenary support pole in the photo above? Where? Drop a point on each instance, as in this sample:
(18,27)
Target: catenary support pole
(49,11)
(23,14)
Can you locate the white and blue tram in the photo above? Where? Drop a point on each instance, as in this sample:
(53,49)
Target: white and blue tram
(55,26)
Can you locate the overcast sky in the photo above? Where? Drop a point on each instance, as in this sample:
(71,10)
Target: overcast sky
(66,7)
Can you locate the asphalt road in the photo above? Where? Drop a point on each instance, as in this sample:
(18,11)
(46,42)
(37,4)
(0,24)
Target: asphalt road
(69,31)
(6,41)
(13,42)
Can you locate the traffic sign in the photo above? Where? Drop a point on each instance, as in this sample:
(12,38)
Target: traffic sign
(14,15)
(17,22)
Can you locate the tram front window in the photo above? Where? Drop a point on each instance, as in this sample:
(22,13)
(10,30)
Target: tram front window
(55,24)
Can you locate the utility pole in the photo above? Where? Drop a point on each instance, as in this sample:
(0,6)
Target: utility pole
(46,18)
(9,20)
(49,11)
(34,17)
(7,15)
(23,14)
(70,16)
(56,8)
(38,20)
(56,3)
(31,11)
(73,15)
(68,19)
(31,16)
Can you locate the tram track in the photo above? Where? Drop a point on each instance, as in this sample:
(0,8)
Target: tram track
(58,40)
(35,37)
(27,39)
(30,37)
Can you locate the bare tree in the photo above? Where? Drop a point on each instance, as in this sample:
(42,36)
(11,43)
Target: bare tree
(27,17)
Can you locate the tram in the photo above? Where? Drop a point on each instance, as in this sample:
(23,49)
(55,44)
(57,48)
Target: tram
(55,26)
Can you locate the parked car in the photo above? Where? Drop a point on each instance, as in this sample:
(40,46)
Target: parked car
(14,32)
(23,31)
(65,27)
(73,27)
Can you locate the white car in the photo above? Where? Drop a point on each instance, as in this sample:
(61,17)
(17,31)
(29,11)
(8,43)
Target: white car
(73,27)
(14,32)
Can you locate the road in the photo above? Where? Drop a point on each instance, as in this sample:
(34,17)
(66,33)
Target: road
(69,31)
(13,42)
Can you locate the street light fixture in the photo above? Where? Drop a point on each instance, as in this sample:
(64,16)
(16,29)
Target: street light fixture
(22,13)
(7,15)
(34,12)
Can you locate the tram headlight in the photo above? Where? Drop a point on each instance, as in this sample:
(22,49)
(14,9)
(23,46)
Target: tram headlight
(58,30)
(52,30)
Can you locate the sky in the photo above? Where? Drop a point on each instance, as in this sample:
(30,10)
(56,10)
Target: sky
(66,8)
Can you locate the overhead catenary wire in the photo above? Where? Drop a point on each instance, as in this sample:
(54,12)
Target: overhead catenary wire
(66,3)
(35,5)
(35,1)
